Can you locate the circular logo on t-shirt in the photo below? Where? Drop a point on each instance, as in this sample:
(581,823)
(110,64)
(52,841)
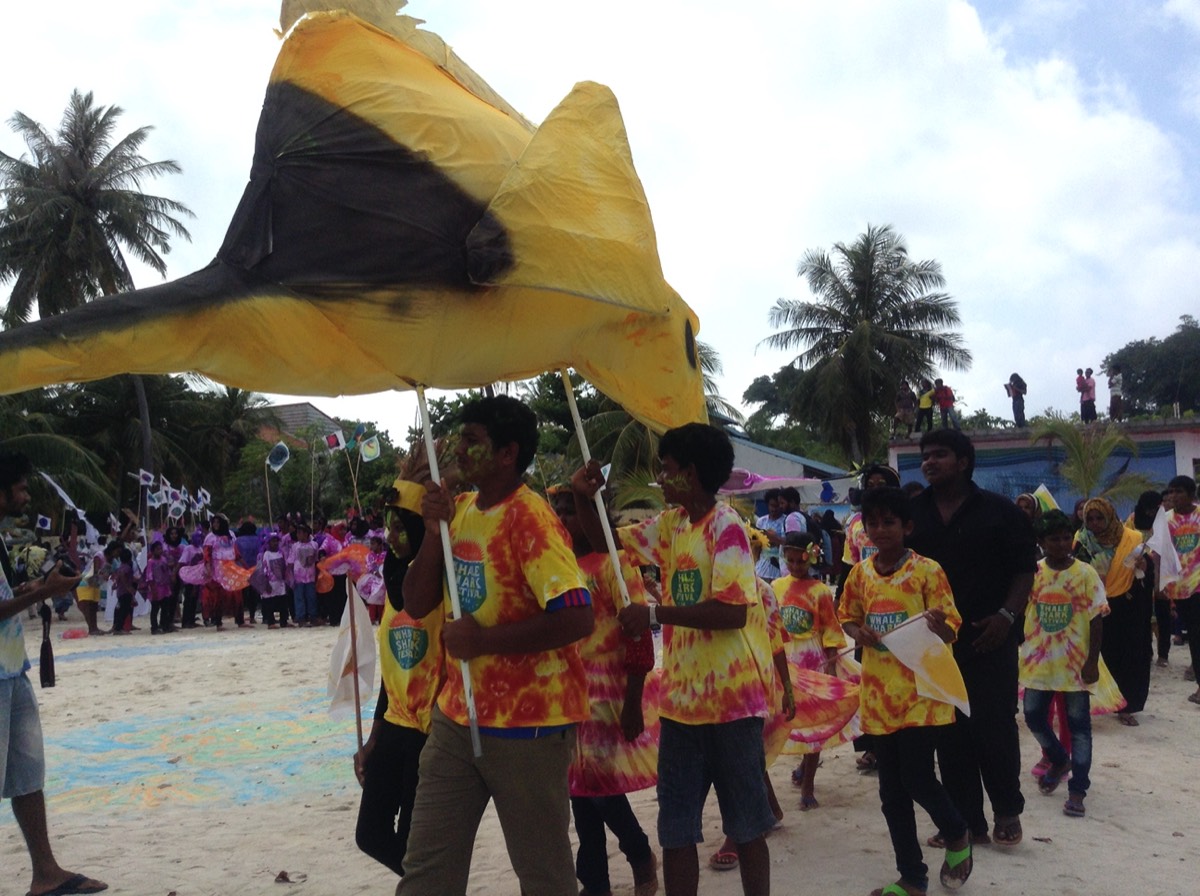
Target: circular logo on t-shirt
(796,621)
(409,645)
(1054,611)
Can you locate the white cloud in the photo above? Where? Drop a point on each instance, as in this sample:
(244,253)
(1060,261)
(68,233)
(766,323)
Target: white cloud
(1185,11)
(759,131)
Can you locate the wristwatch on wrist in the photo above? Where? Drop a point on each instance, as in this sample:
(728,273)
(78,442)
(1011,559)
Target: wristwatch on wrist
(654,623)
(1007,614)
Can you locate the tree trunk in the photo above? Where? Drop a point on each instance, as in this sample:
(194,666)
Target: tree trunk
(139,388)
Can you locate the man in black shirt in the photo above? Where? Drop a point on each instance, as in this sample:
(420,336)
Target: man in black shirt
(987,548)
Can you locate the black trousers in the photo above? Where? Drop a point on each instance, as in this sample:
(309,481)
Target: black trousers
(1126,646)
(906,777)
(1189,614)
(273,605)
(389,789)
(162,615)
(123,613)
(191,594)
(592,815)
(332,605)
(250,600)
(983,752)
(1162,615)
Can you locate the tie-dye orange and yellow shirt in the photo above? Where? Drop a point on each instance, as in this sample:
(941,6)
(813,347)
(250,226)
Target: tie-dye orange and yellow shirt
(709,676)
(858,546)
(410,662)
(1185,535)
(513,561)
(1062,605)
(806,610)
(889,693)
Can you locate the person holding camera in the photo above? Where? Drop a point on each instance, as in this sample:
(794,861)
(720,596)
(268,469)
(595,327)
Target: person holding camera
(22,762)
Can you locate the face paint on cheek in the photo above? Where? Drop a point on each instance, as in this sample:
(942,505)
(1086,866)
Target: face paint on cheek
(679,482)
(477,455)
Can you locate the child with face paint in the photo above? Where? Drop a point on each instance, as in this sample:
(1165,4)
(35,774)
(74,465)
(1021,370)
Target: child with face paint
(716,680)
(806,608)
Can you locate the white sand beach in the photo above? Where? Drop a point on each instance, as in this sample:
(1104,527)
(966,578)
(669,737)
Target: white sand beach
(202,764)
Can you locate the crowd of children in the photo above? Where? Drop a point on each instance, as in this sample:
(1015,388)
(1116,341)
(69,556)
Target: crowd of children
(712,717)
(211,574)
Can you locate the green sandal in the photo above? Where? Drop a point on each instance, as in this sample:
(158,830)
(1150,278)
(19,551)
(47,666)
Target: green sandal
(957,867)
(896,890)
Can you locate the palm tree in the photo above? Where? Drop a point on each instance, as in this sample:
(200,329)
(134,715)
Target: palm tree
(1088,450)
(32,424)
(70,210)
(878,318)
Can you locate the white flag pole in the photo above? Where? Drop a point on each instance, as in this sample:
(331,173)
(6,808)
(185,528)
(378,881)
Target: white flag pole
(451,577)
(352,595)
(600,508)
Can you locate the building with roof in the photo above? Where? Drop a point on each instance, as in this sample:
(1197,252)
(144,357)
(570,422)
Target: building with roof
(1008,463)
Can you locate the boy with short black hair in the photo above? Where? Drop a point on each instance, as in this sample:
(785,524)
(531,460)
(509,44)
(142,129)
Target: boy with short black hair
(879,594)
(22,755)
(716,667)
(1061,655)
(524,605)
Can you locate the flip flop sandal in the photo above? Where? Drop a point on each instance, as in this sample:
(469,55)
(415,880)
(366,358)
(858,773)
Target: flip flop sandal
(937,842)
(951,877)
(1008,833)
(1050,781)
(896,890)
(723,860)
(1074,809)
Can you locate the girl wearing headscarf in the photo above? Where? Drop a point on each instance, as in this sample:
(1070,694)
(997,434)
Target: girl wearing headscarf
(1115,552)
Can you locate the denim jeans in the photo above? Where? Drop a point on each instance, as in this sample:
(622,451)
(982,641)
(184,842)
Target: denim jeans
(1079,723)
(305,598)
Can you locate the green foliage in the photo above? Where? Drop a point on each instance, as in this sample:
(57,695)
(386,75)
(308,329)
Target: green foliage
(1155,374)
(981,419)
(879,318)
(1088,449)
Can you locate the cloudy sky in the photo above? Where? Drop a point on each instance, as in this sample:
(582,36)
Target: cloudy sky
(1044,151)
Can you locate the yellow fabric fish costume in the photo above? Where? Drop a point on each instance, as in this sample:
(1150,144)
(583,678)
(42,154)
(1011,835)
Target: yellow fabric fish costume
(404,226)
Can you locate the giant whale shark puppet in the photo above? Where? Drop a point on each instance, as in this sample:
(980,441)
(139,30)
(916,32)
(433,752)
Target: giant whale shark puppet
(403,227)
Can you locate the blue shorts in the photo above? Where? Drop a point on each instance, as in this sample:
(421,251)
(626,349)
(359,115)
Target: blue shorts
(728,757)
(22,762)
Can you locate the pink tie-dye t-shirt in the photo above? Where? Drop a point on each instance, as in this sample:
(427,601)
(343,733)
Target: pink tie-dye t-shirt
(1185,534)
(709,676)
(1062,605)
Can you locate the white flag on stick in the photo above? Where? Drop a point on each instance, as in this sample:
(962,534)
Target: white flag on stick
(342,704)
(1161,543)
(931,661)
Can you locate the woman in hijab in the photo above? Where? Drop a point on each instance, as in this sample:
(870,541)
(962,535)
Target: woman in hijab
(1115,552)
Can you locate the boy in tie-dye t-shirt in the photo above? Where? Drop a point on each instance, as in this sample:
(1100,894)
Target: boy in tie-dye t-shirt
(880,594)
(717,665)
(524,606)
(1061,655)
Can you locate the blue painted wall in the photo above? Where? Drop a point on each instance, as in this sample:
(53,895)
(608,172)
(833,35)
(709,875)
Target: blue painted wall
(1012,471)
